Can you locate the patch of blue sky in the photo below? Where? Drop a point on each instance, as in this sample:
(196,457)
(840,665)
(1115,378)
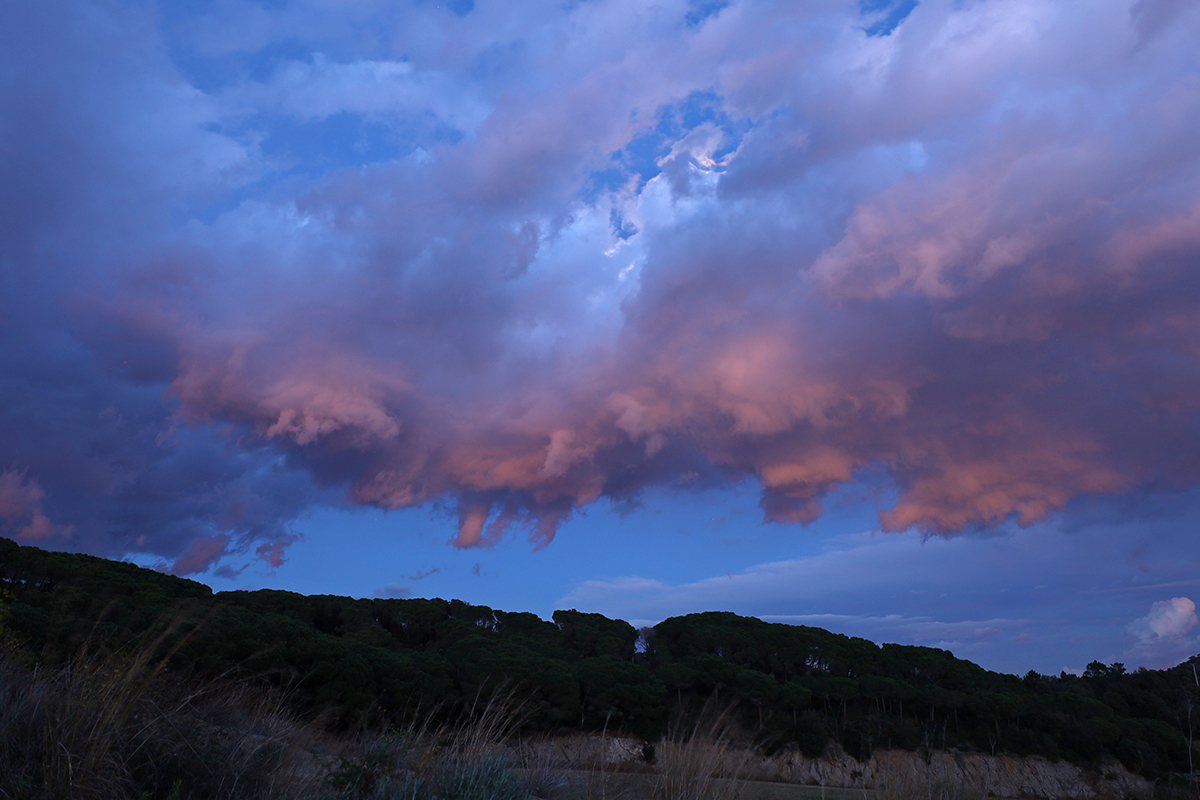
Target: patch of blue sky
(313,147)
(292,149)
(622,228)
(640,158)
(339,140)
(885,15)
(673,552)
(212,71)
(460,8)
(672,537)
(700,10)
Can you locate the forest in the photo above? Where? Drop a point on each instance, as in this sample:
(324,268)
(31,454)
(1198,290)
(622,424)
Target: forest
(382,662)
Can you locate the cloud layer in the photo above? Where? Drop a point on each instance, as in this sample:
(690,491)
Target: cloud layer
(259,258)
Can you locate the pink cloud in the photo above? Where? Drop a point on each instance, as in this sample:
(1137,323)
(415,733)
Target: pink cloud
(201,555)
(21,508)
(320,396)
(275,552)
(960,256)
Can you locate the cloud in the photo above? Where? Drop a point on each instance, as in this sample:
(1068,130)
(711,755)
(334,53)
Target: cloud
(1168,619)
(274,552)
(200,556)
(319,87)
(21,508)
(1151,17)
(959,256)
(393,590)
(422,574)
(1161,637)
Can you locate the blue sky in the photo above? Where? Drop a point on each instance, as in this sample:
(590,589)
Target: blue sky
(879,316)
(1012,599)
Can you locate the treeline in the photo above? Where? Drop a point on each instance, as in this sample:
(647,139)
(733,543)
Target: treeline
(387,661)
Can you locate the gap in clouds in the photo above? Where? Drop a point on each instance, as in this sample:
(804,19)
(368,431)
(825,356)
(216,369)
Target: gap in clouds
(1089,584)
(681,536)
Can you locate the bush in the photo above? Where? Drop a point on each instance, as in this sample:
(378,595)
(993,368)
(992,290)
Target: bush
(455,762)
(114,726)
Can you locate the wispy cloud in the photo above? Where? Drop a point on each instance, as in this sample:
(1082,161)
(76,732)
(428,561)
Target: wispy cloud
(393,590)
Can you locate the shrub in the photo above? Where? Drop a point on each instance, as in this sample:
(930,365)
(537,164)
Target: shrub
(448,762)
(485,777)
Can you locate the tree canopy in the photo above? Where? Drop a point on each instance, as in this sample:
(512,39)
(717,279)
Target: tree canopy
(387,660)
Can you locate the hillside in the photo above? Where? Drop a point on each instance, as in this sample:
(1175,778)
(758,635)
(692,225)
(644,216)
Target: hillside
(354,661)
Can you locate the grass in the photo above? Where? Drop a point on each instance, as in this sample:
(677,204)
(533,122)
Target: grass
(455,761)
(700,761)
(117,725)
(544,768)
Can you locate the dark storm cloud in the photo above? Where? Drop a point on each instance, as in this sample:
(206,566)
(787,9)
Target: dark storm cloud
(256,259)
(102,144)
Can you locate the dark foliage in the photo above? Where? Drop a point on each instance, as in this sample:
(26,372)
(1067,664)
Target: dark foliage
(354,662)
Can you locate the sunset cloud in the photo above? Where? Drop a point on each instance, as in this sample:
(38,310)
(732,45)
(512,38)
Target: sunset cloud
(404,257)
(21,508)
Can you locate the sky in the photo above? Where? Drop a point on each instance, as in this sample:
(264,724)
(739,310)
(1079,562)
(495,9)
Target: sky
(882,316)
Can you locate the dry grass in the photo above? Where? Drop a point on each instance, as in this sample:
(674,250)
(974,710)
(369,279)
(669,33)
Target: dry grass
(701,761)
(487,725)
(544,767)
(452,761)
(120,726)
(116,725)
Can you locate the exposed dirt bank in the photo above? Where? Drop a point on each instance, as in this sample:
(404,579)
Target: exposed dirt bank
(901,773)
